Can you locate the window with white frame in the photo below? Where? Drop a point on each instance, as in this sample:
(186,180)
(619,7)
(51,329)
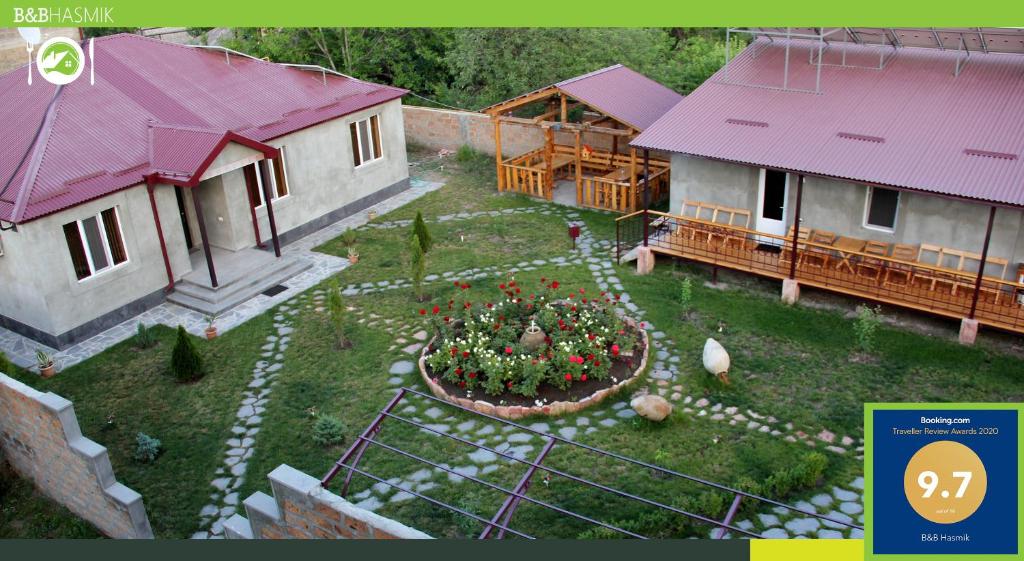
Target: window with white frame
(366,140)
(277,169)
(96,243)
(881,208)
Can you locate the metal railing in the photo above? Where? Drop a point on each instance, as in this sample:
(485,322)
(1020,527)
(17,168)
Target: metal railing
(884,279)
(498,524)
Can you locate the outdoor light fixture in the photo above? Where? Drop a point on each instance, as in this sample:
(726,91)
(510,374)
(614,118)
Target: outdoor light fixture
(574,232)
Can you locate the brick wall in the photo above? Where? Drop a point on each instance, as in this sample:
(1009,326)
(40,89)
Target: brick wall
(446,129)
(40,437)
(302,509)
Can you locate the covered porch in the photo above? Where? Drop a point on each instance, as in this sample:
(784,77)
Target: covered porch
(971,284)
(587,124)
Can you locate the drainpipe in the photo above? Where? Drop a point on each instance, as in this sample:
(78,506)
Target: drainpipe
(150,186)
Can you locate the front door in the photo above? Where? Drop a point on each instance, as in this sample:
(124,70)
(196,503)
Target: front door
(180,195)
(771,205)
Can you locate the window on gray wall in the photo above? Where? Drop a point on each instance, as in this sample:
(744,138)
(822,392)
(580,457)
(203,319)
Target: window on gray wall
(96,243)
(881,208)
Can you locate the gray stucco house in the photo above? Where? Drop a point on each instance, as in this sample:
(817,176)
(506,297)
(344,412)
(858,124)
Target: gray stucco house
(178,173)
(888,161)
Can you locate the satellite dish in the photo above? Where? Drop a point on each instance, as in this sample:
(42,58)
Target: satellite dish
(31,34)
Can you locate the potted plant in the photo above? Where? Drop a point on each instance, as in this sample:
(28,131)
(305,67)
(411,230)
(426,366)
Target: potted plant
(353,255)
(45,363)
(348,239)
(211,326)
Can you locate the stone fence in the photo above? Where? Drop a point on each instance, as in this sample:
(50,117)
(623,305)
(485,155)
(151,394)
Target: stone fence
(302,509)
(40,437)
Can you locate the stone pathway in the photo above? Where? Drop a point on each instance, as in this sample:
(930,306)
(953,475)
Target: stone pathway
(839,504)
(21,350)
(224,501)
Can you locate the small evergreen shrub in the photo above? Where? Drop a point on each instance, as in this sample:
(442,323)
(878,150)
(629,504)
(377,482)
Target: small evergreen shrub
(144,338)
(336,309)
(417,264)
(686,293)
(465,154)
(147,448)
(419,230)
(865,327)
(186,364)
(328,430)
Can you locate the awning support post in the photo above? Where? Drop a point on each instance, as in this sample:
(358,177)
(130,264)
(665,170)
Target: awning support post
(981,265)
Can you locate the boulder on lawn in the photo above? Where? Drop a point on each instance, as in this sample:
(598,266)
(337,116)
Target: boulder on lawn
(716,360)
(652,407)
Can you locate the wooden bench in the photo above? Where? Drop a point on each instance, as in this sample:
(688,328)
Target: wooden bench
(727,217)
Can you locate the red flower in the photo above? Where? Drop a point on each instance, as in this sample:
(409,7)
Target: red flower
(456,283)
(509,385)
(615,350)
(508,350)
(472,375)
(458,372)
(423,312)
(590,356)
(462,384)
(583,377)
(582,291)
(568,377)
(597,363)
(447,319)
(591,336)
(502,286)
(618,296)
(542,279)
(570,298)
(464,287)
(518,290)
(641,325)
(436,309)
(465,354)
(490,306)
(554,285)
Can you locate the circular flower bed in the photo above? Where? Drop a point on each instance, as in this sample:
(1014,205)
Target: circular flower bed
(539,350)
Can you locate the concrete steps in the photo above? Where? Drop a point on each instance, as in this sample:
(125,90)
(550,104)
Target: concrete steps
(211,301)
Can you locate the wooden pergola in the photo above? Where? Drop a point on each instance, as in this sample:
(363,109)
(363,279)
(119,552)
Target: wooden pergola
(608,178)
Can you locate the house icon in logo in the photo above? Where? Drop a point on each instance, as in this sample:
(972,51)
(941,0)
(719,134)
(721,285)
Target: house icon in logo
(60,61)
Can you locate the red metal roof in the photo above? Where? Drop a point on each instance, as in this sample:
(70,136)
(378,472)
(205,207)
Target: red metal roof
(914,124)
(155,107)
(623,93)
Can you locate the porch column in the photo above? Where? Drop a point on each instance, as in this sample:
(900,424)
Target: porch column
(630,203)
(267,197)
(549,154)
(579,171)
(250,182)
(790,287)
(150,186)
(206,239)
(497,153)
(969,325)
(647,194)
(644,255)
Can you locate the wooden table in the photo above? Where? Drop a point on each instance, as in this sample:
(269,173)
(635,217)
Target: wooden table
(845,246)
(619,174)
(557,161)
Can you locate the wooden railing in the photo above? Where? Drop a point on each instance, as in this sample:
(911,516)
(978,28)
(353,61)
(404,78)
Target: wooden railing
(528,174)
(885,279)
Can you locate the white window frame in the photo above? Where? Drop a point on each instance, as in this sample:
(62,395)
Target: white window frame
(273,180)
(867,210)
(362,157)
(93,273)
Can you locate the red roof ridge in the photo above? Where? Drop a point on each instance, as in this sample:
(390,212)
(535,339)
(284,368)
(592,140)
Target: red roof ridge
(38,154)
(591,74)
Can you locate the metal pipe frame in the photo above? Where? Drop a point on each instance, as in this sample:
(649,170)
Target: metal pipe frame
(501,519)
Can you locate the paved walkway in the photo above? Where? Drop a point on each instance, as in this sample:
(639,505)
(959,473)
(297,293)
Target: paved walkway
(21,350)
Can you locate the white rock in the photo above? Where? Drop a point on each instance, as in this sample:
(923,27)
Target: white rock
(653,407)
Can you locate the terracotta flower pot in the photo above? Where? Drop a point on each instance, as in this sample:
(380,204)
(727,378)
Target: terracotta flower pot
(48,372)
(211,332)
(353,258)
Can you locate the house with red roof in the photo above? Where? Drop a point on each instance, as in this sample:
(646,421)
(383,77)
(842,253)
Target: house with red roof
(882,163)
(170,171)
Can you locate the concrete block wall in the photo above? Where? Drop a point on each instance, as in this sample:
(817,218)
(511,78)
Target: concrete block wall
(448,129)
(302,509)
(40,437)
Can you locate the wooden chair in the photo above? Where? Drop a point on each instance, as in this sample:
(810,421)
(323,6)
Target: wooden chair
(868,266)
(989,285)
(815,254)
(787,249)
(903,272)
(947,263)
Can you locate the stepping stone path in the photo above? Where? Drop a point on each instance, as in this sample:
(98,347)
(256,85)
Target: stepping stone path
(240,447)
(780,523)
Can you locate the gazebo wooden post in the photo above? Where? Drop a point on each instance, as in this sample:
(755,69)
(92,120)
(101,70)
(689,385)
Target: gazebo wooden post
(565,110)
(497,153)
(549,149)
(631,202)
(579,171)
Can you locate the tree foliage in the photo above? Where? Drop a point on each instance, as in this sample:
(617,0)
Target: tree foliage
(476,67)
(186,364)
(419,229)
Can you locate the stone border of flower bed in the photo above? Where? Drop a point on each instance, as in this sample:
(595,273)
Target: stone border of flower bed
(550,409)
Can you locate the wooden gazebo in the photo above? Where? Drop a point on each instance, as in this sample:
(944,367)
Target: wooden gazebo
(588,122)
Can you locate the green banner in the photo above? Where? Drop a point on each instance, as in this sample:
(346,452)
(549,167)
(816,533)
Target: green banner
(528,13)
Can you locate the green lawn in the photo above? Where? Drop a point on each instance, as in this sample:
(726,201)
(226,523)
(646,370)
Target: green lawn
(27,514)
(795,363)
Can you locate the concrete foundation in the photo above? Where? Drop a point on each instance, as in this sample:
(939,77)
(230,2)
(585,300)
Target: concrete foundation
(968,331)
(790,291)
(644,261)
